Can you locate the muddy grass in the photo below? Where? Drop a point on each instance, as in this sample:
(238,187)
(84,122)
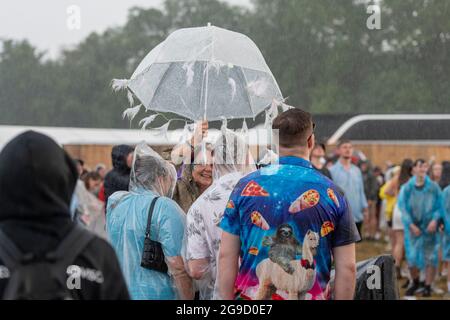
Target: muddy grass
(369,249)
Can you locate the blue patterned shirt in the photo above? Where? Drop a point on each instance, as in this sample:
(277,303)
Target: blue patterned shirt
(289,217)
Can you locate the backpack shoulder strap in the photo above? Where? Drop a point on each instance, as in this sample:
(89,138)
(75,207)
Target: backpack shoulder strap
(72,245)
(149,219)
(9,253)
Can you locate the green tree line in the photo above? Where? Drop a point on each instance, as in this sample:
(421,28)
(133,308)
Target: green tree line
(321,52)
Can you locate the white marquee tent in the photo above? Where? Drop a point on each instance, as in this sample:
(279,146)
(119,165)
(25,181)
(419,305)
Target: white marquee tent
(82,136)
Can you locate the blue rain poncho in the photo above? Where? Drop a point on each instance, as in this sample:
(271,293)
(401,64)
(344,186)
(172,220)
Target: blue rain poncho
(446,240)
(127,215)
(420,206)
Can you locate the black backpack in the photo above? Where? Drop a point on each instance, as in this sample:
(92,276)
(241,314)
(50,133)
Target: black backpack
(388,289)
(44,278)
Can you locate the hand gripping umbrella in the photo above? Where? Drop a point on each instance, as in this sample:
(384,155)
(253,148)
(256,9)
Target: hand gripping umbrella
(205,73)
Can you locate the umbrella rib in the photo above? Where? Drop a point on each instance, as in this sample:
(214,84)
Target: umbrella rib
(161,81)
(203,83)
(246,91)
(163,45)
(207,74)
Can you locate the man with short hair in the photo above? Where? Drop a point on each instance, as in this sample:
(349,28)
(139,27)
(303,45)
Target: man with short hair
(287,223)
(349,178)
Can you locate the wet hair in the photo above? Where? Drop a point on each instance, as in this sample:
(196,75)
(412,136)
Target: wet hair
(320,145)
(79,161)
(148,169)
(419,162)
(83,174)
(405,172)
(366,162)
(99,166)
(294,128)
(431,169)
(445,178)
(92,175)
(342,142)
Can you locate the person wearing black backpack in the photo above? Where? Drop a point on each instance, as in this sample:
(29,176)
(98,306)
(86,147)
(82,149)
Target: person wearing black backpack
(44,255)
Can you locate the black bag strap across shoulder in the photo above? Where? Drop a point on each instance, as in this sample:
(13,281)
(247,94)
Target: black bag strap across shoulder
(72,245)
(149,219)
(66,253)
(9,253)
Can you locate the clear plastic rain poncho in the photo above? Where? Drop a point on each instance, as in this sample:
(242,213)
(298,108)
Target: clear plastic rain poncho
(231,154)
(231,161)
(127,213)
(420,207)
(90,210)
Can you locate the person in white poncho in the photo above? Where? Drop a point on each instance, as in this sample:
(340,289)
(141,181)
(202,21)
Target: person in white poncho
(231,161)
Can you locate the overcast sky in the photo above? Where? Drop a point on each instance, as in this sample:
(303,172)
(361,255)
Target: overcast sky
(44,22)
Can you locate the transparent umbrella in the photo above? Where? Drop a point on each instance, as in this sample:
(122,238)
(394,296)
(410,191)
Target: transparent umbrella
(205,73)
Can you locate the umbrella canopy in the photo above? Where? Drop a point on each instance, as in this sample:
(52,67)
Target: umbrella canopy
(206,73)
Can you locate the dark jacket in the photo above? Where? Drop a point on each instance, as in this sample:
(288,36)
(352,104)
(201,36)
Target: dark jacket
(118,178)
(371,187)
(37,181)
(325,172)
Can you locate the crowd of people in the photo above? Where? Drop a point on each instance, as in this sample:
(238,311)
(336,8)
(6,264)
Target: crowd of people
(407,202)
(208,222)
(411,196)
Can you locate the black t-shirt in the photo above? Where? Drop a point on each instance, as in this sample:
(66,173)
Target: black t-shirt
(325,172)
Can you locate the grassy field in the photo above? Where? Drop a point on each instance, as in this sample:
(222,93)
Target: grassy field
(368,249)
